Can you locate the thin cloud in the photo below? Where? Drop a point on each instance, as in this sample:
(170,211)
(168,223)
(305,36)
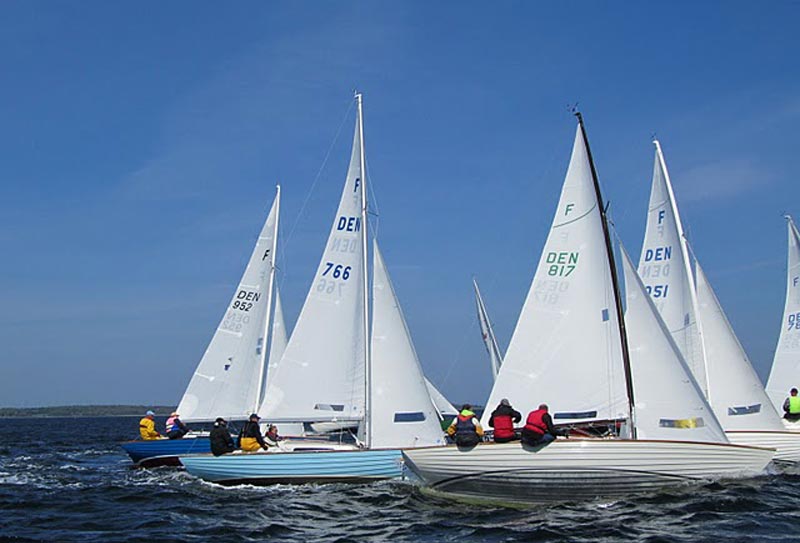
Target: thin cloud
(720,180)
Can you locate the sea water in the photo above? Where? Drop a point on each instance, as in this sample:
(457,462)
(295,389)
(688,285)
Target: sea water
(68,480)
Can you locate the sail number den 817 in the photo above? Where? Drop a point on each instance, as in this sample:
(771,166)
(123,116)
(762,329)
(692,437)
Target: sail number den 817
(562,263)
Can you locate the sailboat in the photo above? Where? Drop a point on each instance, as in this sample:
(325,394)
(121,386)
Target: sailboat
(335,371)
(786,364)
(571,349)
(228,381)
(487,332)
(697,322)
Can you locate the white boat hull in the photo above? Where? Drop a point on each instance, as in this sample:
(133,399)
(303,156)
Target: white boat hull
(792,426)
(579,468)
(786,444)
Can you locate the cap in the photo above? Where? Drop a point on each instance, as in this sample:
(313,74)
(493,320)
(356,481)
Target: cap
(220,419)
(505,401)
(174,414)
(150,413)
(255,416)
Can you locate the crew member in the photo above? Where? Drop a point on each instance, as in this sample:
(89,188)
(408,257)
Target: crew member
(175,428)
(502,420)
(791,407)
(465,428)
(220,436)
(250,438)
(539,427)
(147,427)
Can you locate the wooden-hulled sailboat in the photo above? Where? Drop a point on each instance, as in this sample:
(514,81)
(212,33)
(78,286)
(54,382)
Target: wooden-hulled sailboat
(570,349)
(701,330)
(334,371)
(786,364)
(229,378)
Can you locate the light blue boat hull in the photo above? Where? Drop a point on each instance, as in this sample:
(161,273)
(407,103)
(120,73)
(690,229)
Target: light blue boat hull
(297,467)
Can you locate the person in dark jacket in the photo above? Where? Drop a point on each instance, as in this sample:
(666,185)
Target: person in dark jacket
(465,428)
(539,429)
(250,438)
(502,420)
(221,440)
(791,406)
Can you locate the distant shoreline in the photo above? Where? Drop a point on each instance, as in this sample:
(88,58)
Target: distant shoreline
(77,411)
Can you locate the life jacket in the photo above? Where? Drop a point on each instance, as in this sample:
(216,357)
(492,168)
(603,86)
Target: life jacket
(535,422)
(503,426)
(171,424)
(464,424)
(794,405)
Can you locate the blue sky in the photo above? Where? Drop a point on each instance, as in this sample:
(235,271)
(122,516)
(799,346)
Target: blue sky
(141,144)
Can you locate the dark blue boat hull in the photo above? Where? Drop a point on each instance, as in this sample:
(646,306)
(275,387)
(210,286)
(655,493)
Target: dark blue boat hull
(164,452)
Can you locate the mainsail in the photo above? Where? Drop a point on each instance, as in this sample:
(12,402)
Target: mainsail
(669,402)
(566,349)
(738,397)
(278,339)
(665,269)
(227,380)
(785,373)
(402,414)
(487,333)
(321,374)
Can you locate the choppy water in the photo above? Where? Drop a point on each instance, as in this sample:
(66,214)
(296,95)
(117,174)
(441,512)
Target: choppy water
(67,480)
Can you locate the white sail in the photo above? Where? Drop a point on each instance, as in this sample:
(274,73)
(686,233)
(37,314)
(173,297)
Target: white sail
(402,413)
(665,270)
(566,349)
(738,397)
(785,373)
(669,404)
(226,382)
(487,333)
(277,342)
(321,374)
(442,404)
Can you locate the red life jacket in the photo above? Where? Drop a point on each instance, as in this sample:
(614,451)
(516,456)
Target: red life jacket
(503,426)
(535,422)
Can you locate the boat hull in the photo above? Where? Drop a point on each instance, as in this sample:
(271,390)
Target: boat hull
(297,467)
(786,444)
(164,452)
(579,468)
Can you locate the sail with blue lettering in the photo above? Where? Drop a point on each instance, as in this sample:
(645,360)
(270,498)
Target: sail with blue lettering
(321,374)
(785,373)
(665,269)
(669,402)
(566,349)
(401,411)
(226,382)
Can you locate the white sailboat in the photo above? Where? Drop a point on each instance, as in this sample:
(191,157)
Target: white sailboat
(786,364)
(487,332)
(701,330)
(334,371)
(229,379)
(570,350)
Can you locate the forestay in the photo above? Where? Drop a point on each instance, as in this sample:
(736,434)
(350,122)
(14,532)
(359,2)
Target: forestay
(738,397)
(402,413)
(226,381)
(665,270)
(785,373)
(321,374)
(669,402)
(566,349)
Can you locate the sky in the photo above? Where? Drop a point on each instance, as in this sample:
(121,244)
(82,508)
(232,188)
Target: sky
(140,146)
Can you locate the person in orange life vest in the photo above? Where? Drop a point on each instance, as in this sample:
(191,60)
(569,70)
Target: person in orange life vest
(175,428)
(147,427)
(539,427)
(502,420)
(465,428)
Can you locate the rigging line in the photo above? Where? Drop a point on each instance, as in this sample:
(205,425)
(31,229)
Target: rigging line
(373,199)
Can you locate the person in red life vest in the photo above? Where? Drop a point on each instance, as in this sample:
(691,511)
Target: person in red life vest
(539,429)
(502,420)
(465,428)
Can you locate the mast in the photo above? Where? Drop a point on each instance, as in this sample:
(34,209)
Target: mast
(684,243)
(623,336)
(267,319)
(365,299)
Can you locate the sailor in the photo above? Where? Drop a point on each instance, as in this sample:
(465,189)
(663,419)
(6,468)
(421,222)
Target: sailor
(250,438)
(465,428)
(220,437)
(175,428)
(502,420)
(147,427)
(539,427)
(272,437)
(791,407)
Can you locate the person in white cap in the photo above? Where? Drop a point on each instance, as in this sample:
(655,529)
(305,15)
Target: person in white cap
(175,428)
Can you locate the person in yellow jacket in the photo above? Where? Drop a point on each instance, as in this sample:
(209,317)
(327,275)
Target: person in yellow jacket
(147,427)
(465,428)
